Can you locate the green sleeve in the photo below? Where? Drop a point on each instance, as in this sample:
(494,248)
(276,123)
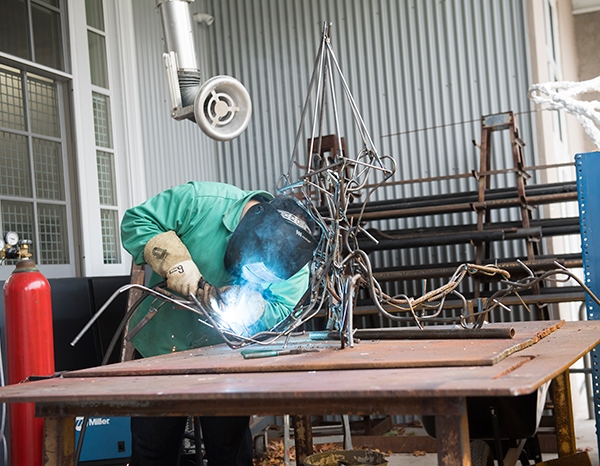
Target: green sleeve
(283,298)
(168,210)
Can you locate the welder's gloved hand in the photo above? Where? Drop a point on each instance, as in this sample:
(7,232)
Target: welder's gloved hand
(170,259)
(209,295)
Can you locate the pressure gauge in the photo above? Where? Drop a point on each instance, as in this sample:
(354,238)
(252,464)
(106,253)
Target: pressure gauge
(11,238)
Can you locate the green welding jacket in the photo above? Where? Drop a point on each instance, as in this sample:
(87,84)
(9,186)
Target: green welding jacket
(204,216)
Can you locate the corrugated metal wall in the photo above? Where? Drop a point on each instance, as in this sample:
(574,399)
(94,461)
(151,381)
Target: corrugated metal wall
(423,73)
(411,65)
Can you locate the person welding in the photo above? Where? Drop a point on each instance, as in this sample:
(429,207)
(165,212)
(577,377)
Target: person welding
(212,240)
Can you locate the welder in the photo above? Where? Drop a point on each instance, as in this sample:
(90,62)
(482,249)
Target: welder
(213,239)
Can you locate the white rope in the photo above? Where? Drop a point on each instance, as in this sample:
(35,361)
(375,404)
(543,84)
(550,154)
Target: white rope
(560,95)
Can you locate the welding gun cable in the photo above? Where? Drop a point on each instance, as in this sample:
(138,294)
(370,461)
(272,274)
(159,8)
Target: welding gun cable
(80,440)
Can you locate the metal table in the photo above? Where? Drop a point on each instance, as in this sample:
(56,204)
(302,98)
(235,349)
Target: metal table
(366,379)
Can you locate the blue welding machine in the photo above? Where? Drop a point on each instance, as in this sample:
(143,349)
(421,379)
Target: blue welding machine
(106,438)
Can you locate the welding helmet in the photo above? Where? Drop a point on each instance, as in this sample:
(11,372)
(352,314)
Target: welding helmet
(272,242)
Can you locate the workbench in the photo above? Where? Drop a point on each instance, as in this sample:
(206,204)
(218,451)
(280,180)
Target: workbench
(420,377)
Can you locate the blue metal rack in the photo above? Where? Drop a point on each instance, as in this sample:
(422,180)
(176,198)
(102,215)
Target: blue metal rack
(588,195)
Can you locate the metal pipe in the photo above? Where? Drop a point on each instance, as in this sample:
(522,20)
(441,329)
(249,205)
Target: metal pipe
(512,266)
(428,333)
(177,31)
(180,57)
(466,207)
(462,197)
(375,240)
(455,238)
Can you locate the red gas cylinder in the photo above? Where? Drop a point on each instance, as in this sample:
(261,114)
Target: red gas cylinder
(29,351)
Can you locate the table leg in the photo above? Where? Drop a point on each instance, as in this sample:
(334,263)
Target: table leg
(563,415)
(59,441)
(452,438)
(302,437)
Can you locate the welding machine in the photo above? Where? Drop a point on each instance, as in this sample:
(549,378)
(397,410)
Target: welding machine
(107,440)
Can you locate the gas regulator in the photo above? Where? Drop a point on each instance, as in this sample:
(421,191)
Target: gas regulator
(11,247)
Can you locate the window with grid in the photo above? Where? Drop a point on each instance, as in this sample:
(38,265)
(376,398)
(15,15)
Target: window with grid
(105,154)
(32,30)
(33,199)
(33,185)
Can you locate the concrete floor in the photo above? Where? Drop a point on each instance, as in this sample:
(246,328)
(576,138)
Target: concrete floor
(585,431)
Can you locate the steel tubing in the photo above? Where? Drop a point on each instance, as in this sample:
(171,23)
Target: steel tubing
(513,267)
(428,333)
(465,206)
(455,238)
(462,198)
(433,238)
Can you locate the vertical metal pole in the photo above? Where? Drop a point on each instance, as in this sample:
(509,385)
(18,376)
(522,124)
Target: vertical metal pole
(137,277)
(59,441)
(587,167)
(302,437)
(563,415)
(452,438)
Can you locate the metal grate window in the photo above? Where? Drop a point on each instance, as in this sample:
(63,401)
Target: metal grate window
(106,178)
(15,174)
(110,236)
(32,167)
(34,187)
(47,162)
(43,106)
(53,232)
(102,121)
(12,113)
(105,159)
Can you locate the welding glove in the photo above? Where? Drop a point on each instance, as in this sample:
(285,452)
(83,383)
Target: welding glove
(170,259)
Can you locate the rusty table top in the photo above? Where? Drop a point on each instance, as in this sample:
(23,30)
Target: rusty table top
(367,354)
(305,391)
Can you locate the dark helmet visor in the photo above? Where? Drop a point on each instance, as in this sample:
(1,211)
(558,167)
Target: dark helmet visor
(271,243)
